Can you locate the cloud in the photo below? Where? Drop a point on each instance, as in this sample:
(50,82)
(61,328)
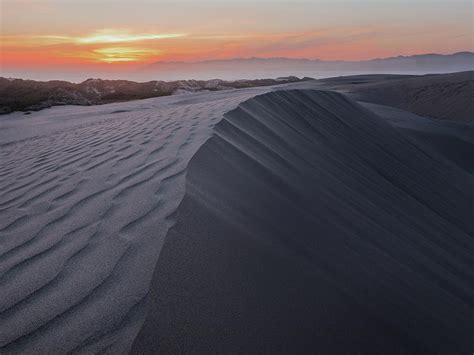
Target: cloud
(104,36)
(112,36)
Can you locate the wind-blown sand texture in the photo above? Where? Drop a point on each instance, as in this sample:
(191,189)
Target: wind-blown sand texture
(302,221)
(84,211)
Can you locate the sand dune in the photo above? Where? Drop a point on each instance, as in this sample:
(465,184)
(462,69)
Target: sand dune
(86,200)
(454,140)
(310,224)
(307,222)
(445,96)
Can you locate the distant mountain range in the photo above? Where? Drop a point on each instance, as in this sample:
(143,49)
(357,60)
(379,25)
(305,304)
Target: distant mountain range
(30,95)
(271,67)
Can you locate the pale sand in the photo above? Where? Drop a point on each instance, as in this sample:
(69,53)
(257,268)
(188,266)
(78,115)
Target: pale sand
(87,196)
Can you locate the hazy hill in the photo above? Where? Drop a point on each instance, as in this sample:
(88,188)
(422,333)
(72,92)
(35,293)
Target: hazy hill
(30,95)
(271,67)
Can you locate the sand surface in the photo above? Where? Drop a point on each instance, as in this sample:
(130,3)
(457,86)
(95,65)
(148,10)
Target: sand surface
(301,221)
(87,196)
(310,224)
(441,96)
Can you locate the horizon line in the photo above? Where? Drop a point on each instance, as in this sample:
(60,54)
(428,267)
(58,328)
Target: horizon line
(313,59)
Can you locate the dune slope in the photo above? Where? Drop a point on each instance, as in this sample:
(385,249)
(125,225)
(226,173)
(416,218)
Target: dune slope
(454,140)
(310,223)
(87,195)
(443,96)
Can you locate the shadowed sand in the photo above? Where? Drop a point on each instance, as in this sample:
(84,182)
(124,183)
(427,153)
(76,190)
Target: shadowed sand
(310,224)
(442,96)
(307,222)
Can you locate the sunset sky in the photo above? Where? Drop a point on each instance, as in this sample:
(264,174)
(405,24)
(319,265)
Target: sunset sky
(111,34)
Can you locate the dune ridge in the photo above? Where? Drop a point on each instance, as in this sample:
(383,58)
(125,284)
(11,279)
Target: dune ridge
(309,222)
(84,209)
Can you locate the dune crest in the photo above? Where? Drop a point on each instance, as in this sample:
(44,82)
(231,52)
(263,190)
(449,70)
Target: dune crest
(311,223)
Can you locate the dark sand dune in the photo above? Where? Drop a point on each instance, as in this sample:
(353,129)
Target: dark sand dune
(443,96)
(310,224)
(454,140)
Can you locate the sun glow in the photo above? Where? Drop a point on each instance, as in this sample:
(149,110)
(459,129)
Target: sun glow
(100,46)
(124,54)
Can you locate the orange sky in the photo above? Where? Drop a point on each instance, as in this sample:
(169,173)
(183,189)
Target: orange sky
(113,34)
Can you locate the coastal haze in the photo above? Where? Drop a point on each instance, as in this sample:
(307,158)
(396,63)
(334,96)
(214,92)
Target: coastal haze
(236,177)
(238,68)
(264,68)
